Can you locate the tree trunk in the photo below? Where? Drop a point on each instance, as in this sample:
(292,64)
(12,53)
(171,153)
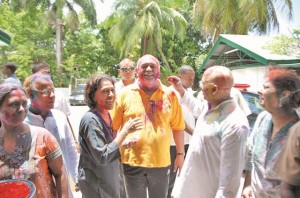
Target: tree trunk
(145,45)
(167,66)
(59,24)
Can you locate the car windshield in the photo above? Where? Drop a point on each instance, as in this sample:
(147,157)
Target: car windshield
(253,102)
(80,88)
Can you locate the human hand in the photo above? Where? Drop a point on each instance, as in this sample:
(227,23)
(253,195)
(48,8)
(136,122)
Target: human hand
(176,82)
(77,187)
(247,192)
(132,125)
(178,163)
(130,141)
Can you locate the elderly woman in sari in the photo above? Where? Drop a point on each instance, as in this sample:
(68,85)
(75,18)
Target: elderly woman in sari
(28,152)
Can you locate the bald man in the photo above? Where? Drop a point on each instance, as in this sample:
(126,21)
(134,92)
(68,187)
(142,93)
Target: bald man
(215,159)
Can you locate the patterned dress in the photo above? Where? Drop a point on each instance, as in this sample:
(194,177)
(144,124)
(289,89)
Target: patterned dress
(29,160)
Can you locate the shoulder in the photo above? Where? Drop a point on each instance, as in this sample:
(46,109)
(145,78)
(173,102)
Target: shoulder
(296,128)
(89,117)
(127,91)
(263,116)
(39,131)
(168,90)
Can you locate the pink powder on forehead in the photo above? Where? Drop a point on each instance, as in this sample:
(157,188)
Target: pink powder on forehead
(19,93)
(147,58)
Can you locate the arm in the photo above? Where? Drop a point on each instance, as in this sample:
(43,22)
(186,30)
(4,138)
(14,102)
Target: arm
(233,144)
(58,171)
(178,139)
(247,190)
(95,141)
(187,99)
(188,129)
(127,128)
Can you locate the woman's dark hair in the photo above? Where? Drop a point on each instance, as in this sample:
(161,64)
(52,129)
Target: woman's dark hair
(6,88)
(286,80)
(92,86)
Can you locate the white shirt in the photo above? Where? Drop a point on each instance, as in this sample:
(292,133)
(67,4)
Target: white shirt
(215,158)
(120,85)
(57,124)
(61,103)
(188,118)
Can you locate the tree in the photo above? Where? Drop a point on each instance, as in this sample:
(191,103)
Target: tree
(55,15)
(238,16)
(88,51)
(286,45)
(32,39)
(142,24)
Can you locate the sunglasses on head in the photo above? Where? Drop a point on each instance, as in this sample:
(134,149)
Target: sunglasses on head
(125,69)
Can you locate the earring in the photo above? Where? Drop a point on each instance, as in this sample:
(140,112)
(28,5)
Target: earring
(281,99)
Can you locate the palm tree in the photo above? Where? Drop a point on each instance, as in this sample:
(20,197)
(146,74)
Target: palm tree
(56,9)
(142,24)
(238,16)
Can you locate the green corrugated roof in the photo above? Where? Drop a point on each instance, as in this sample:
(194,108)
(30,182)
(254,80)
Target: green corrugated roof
(244,51)
(4,38)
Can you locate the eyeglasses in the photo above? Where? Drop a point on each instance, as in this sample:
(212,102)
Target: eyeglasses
(202,84)
(125,69)
(46,92)
(46,72)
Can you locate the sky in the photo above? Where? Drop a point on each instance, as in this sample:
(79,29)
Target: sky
(103,9)
(285,24)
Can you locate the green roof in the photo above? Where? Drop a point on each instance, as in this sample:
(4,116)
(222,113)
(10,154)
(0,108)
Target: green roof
(244,51)
(4,38)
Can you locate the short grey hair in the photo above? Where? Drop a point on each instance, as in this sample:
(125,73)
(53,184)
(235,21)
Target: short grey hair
(184,68)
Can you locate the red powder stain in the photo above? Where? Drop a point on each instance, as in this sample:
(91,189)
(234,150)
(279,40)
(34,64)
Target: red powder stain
(19,94)
(275,73)
(14,190)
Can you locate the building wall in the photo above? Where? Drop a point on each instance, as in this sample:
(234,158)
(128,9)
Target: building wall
(252,76)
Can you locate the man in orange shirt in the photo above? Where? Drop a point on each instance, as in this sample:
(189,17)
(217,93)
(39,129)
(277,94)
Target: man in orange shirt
(146,163)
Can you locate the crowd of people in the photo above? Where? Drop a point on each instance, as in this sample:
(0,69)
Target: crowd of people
(141,138)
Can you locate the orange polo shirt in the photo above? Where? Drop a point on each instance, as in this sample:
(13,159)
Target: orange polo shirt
(161,114)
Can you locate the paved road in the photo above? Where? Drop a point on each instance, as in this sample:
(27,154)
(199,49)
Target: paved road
(75,117)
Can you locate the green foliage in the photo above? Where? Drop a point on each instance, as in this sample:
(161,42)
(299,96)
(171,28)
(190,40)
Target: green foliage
(31,39)
(88,52)
(188,51)
(144,23)
(286,45)
(214,17)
